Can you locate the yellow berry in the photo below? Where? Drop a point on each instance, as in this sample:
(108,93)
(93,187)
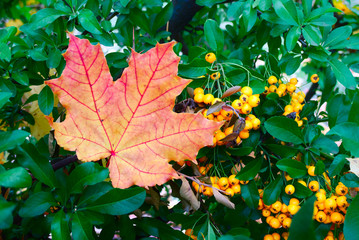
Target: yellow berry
(289,189)
(215,100)
(254,101)
(198,90)
(210,57)
(215,76)
(272,88)
(237,104)
(313,186)
(272,80)
(208,98)
(314,78)
(246,108)
(293,81)
(198,98)
(311,170)
(247,91)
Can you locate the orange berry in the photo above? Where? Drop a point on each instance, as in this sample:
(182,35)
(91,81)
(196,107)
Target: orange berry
(220,135)
(321,216)
(311,170)
(268,237)
(293,81)
(223,183)
(246,108)
(256,123)
(314,78)
(294,201)
(336,217)
(276,236)
(287,222)
(207,191)
(341,190)
(210,57)
(313,186)
(230,192)
(244,134)
(215,76)
(233,180)
(291,88)
(274,223)
(236,189)
(272,88)
(330,204)
(293,209)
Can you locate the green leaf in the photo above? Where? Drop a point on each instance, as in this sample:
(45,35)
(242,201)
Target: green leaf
(350,180)
(257,86)
(318,12)
(294,168)
(195,69)
(284,129)
(15,178)
(94,192)
(326,145)
(282,151)
(342,73)
(249,15)
(302,224)
(307,6)
(60,227)
(46,100)
(4,97)
(54,59)
(213,35)
(163,16)
(337,165)
(292,38)
(118,201)
(37,204)
(9,140)
(349,132)
(43,18)
(338,108)
(138,18)
(319,168)
(351,230)
(241,151)
(81,226)
(206,232)
(89,22)
(21,77)
(272,191)
(208,3)
(287,11)
(353,114)
(301,191)
(5,53)
(250,194)
(312,35)
(337,35)
(29,157)
(88,173)
(6,209)
(38,54)
(250,170)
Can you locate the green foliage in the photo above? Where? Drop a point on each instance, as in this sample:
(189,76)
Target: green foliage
(46,190)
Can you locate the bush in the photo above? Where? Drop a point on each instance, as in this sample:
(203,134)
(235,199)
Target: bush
(266,129)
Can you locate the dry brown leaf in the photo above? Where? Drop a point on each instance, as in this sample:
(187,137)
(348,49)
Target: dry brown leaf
(231,91)
(222,199)
(187,193)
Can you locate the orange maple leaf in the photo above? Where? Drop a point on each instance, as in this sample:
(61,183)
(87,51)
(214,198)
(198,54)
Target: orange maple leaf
(130,120)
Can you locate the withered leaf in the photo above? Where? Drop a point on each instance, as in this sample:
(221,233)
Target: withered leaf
(231,91)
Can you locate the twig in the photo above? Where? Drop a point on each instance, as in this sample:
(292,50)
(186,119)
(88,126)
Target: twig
(64,162)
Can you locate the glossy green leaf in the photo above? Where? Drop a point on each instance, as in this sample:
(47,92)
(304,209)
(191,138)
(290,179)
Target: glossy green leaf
(38,54)
(89,22)
(353,114)
(37,204)
(292,38)
(6,209)
(312,35)
(206,231)
(54,59)
(208,3)
(21,77)
(5,53)
(319,168)
(325,144)
(351,230)
(272,191)
(10,139)
(250,194)
(342,73)
(282,151)
(29,157)
(287,11)
(4,97)
(81,226)
(213,35)
(294,168)
(337,35)
(249,15)
(46,100)
(15,178)
(284,129)
(88,173)
(337,165)
(302,223)
(60,227)
(43,18)
(118,201)
(349,132)
(250,170)
(338,108)
(301,191)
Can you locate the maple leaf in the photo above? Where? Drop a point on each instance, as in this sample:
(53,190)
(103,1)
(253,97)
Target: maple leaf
(130,120)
